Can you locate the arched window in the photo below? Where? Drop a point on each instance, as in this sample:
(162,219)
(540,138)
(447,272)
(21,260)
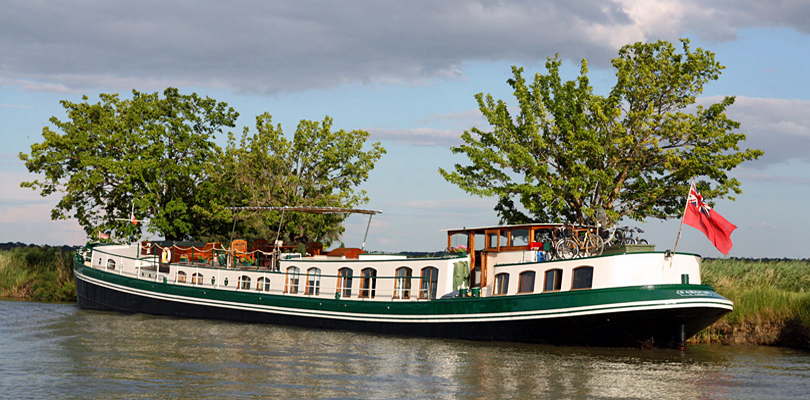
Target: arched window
(526,282)
(263,284)
(313,282)
(110,264)
(402,283)
(428,283)
(345,282)
(291,285)
(553,280)
(583,278)
(197,278)
(181,276)
(244,282)
(368,283)
(501,284)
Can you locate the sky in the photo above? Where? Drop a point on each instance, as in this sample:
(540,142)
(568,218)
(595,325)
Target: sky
(407,72)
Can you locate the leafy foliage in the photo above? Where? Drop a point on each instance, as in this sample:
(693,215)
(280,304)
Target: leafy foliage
(568,152)
(150,153)
(318,167)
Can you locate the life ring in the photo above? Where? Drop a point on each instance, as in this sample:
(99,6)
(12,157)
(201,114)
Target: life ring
(166,257)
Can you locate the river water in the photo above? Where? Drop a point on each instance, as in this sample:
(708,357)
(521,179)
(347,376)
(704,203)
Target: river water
(59,351)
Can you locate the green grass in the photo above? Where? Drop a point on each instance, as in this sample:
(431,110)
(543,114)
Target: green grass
(37,273)
(771,301)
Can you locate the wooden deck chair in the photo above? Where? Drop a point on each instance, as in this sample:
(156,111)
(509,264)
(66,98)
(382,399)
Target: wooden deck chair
(239,248)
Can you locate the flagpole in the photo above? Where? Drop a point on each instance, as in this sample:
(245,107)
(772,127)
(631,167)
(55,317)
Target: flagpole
(683,215)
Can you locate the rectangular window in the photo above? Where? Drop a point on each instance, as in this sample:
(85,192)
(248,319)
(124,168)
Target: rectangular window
(553,280)
(519,237)
(583,278)
(501,284)
(345,282)
(526,284)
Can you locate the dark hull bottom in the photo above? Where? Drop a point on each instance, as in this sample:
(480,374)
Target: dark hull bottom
(659,328)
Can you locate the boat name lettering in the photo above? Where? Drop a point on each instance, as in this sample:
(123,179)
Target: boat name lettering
(702,293)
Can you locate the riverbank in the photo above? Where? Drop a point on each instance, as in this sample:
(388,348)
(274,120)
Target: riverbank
(771,302)
(37,273)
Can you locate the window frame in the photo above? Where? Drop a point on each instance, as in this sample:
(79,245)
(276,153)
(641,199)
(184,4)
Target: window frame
(557,276)
(402,283)
(291,286)
(344,286)
(428,287)
(368,283)
(243,282)
(521,281)
(197,278)
(574,276)
(181,276)
(501,289)
(263,284)
(313,287)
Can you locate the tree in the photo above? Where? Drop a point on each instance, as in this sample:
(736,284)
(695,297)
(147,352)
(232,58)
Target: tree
(148,153)
(569,152)
(318,167)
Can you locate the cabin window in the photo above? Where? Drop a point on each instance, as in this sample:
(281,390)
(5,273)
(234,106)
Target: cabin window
(402,283)
(583,278)
(110,264)
(501,284)
(429,280)
(492,240)
(263,284)
(197,279)
(244,282)
(181,276)
(368,283)
(291,284)
(458,239)
(553,281)
(313,282)
(345,282)
(519,237)
(526,282)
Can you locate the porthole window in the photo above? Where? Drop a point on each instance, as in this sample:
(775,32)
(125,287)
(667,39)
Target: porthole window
(526,282)
(501,284)
(583,278)
(553,280)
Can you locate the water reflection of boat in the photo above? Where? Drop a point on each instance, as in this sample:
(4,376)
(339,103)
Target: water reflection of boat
(623,299)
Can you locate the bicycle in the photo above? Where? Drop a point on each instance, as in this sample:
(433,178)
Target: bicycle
(634,236)
(590,244)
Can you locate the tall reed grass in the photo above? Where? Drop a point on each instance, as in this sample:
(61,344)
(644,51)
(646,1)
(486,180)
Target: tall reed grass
(37,273)
(771,301)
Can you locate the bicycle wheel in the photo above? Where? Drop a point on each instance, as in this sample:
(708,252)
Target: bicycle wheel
(594,245)
(567,248)
(628,240)
(642,241)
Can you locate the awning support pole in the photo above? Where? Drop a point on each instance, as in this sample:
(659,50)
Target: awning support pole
(366,236)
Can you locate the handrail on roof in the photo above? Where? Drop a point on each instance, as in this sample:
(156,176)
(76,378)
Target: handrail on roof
(309,209)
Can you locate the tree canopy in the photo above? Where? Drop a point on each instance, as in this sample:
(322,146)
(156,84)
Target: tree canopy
(318,167)
(149,154)
(566,152)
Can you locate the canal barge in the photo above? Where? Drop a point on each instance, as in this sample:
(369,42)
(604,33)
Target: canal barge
(493,283)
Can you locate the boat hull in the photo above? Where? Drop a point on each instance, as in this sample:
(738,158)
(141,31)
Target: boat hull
(662,315)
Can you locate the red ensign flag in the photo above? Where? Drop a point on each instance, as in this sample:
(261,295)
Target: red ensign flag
(700,216)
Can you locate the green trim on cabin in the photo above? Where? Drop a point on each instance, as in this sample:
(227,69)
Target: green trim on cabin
(486,307)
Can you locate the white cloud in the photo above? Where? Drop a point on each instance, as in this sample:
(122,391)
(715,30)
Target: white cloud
(418,136)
